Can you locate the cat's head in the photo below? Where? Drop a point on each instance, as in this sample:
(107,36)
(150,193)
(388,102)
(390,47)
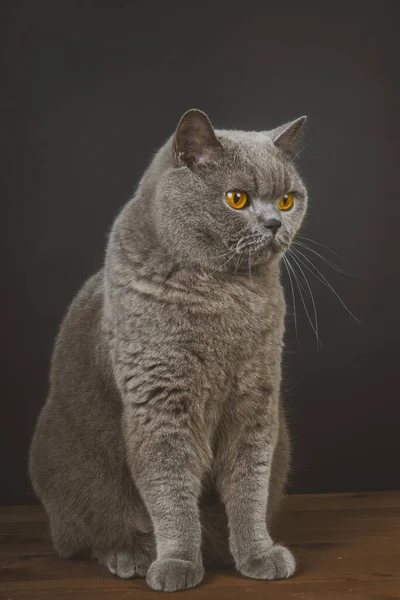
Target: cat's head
(224,199)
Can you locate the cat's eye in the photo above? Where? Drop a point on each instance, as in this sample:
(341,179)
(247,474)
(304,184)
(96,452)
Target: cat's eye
(286,202)
(237,199)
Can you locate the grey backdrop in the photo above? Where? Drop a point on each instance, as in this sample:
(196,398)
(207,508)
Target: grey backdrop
(92,88)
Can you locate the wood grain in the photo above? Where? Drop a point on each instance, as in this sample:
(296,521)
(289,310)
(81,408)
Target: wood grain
(347,547)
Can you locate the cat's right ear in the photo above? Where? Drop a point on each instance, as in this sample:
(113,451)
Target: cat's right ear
(195,140)
(288,137)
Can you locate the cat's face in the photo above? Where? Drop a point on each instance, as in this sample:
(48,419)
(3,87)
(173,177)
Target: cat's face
(230,199)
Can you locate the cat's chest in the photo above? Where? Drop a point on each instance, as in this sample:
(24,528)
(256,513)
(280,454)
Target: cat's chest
(238,320)
(222,325)
(240,342)
(243,316)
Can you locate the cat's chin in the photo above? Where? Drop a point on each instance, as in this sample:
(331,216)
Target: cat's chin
(262,259)
(269,252)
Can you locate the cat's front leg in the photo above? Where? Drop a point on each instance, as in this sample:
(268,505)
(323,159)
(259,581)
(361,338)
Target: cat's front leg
(167,457)
(242,471)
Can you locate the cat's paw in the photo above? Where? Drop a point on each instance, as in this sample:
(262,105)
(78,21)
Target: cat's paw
(172,574)
(277,563)
(127,565)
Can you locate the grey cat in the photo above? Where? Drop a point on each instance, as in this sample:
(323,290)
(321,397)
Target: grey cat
(162,446)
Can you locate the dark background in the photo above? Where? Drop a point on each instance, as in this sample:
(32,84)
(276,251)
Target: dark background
(90,89)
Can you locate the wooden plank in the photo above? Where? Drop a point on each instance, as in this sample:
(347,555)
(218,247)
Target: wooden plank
(391,499)
(343,501)
(219,586)
(346,545)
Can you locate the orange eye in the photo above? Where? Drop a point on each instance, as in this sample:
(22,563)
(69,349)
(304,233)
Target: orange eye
(236,200)
(286,202)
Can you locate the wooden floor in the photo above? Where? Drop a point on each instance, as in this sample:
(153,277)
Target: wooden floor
(347,546)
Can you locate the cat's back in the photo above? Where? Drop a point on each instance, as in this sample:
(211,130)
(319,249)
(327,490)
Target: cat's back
(78,355)
(78,430)
(78,339)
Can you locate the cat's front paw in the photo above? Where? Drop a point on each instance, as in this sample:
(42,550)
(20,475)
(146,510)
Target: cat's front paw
(126,564)
(173,574)
(277,563)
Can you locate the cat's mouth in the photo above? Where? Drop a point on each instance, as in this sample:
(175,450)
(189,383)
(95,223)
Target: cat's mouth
(257,245)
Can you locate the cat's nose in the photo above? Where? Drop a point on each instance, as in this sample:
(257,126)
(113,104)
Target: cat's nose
(272,224)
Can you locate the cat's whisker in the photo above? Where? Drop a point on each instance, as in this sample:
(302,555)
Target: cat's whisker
(249,239)
(326,260)
(295,275)
(240,256)
(216,256)
(312,300)
(318,275)
(303,237)
(239,249)
(298,153)
(230,257)
(299,282)
(294,300)
(249,264)
(253,240)
(239,262)
(312,158)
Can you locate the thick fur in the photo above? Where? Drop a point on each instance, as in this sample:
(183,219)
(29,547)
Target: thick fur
(163,444)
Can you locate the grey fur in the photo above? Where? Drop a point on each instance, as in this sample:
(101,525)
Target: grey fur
(163,434)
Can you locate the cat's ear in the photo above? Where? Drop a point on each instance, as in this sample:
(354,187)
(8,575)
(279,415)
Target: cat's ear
(288,137)
(195,140)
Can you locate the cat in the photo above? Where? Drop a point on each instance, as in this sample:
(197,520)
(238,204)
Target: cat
(162,447)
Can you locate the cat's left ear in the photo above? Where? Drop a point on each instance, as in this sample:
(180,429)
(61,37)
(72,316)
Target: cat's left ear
(288,137)
(195,140)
